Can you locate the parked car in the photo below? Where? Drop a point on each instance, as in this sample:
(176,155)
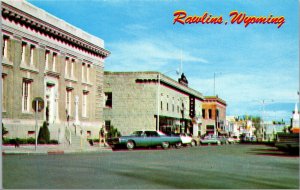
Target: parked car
(188,140)
(253,139)
(223,140)
(145,139)
(210,140)
(231,140)
(236,139)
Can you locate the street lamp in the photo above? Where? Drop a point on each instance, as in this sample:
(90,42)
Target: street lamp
(158,96)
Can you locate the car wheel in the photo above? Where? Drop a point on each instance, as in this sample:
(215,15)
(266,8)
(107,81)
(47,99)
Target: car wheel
(130,145)
(193,143)
(178,145)
(165,145)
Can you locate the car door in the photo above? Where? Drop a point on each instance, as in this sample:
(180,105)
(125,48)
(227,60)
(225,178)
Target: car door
(141,139)
(156,139)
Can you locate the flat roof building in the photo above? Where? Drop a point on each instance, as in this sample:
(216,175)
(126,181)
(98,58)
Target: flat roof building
(44,56)
(135,99)
(213,115)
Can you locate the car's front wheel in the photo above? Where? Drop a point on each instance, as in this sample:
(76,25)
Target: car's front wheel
(178,145)
(165,145)
(130,145)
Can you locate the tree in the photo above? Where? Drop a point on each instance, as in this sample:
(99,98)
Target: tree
(4,131)
(256,120)
(113,132)
(44,134)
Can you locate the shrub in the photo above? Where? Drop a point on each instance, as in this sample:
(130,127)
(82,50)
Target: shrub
(31,140)
(44,134)
(113,132)
(53,141)
(4,131)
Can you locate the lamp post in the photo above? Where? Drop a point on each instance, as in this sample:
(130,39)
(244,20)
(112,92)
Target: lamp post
(158,96)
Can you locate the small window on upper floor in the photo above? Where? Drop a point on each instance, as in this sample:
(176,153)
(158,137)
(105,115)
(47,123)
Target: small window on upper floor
(108,99)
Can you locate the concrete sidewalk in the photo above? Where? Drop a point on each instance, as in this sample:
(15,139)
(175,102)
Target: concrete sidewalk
(52,149)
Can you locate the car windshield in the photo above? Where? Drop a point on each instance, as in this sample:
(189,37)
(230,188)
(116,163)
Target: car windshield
(137,133)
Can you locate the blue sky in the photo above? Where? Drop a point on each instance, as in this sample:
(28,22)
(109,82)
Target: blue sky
(260,62)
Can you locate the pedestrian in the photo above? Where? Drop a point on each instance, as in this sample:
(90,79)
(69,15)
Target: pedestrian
(17,144)
(101,136)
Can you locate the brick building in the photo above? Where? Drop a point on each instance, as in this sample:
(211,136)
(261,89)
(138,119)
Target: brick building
(44,56)
(214,115)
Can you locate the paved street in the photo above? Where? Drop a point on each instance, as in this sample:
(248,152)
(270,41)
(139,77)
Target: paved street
(228,166)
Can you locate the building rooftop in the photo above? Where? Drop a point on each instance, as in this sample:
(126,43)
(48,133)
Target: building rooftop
(30,14)
(152,75)
(215,98)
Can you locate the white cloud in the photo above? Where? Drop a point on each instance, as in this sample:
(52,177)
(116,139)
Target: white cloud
(147,54)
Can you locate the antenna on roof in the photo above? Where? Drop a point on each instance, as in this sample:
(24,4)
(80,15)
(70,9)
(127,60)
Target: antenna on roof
(180,68)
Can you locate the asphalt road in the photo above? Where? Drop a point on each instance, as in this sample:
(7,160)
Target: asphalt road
(227,166)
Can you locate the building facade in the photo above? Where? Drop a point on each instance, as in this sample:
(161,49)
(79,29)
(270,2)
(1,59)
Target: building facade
(135,99)
(214,115)
(44,56)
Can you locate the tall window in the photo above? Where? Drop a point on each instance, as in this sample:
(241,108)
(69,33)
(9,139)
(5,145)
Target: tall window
(83,71)
(161,105)
(47,59)
(32,47)
(167,106)
(5,47)
(3,92)
(26,95)
(72,68)
(66,67)
(69,101)
(107,125)
(24,44)
(108,99)
(88,73)
(209,114)
(54,61)
(84,103)
(203,113)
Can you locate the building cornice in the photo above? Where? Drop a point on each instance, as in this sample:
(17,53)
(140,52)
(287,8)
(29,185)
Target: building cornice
(25,19)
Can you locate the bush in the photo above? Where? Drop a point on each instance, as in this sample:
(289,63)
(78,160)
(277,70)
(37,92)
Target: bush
(42,141)
(53,141)
(44,134)
(20,141)
(31,140)
(113,132)
(4,131)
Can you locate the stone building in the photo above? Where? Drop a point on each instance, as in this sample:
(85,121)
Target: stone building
(44,56)
(214,115)
(135,99)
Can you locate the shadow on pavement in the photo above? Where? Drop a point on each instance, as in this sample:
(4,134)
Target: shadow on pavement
(273,151)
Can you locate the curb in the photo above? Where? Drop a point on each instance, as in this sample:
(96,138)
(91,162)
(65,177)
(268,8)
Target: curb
(56,152)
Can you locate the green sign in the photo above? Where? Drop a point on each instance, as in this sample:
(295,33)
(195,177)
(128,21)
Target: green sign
(40,104)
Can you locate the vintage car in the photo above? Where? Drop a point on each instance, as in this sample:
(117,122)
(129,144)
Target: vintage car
(223,140)
(210,140)
(145,139)
(188,140)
